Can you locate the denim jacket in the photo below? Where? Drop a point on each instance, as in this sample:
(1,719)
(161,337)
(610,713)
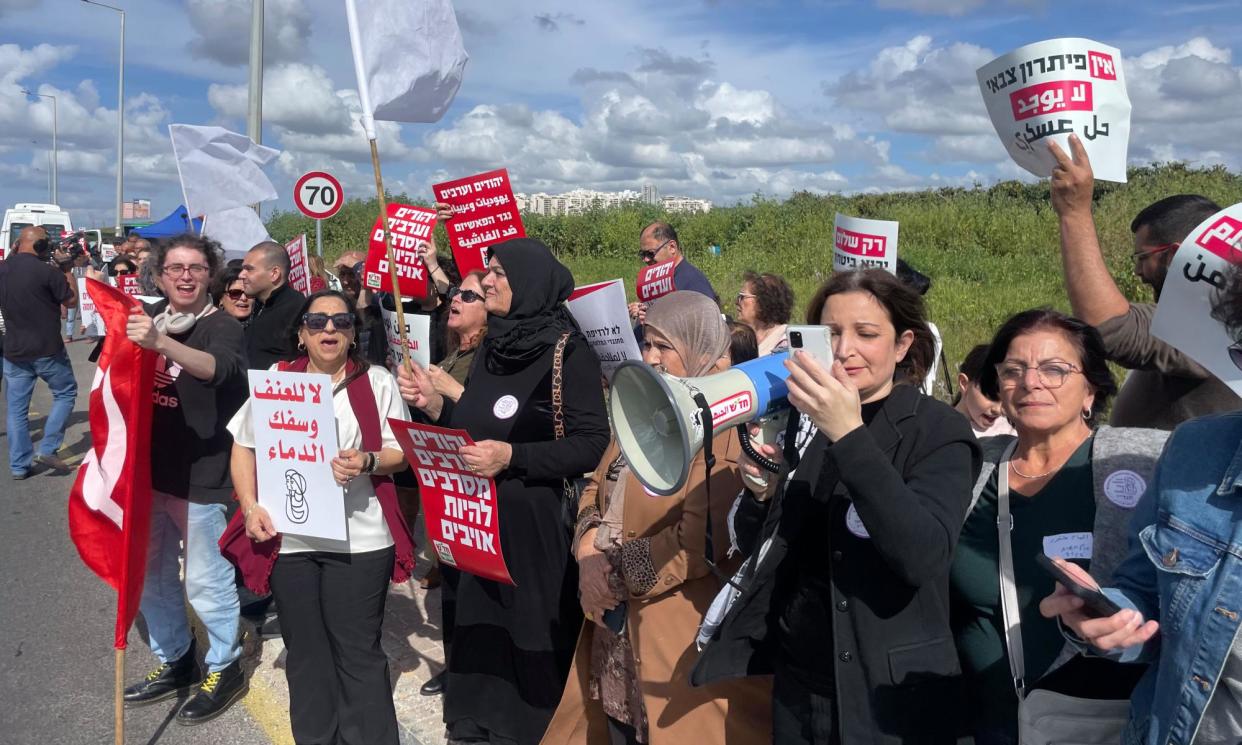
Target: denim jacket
(1184,567)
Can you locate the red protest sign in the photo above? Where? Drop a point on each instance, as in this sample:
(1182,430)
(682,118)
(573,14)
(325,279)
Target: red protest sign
(128,284)
(655,281)
(1051,97)
(1223,238)
(460,513)
(299,272)
(484,213)
(409,228)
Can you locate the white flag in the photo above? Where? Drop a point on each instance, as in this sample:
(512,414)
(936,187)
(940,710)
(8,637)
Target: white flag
(408,57)
(237,230)
(220,169)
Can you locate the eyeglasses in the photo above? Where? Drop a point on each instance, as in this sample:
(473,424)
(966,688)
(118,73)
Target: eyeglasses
(743,295)
(235,295)
(467,296)
(1154,250)
(1051,374)
(176,270)
(645,255)
(319,321)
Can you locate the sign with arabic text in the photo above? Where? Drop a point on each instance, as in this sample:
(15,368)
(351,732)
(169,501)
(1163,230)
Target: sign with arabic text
(1198,273)
(295,442)
(1043,92)
(484,213)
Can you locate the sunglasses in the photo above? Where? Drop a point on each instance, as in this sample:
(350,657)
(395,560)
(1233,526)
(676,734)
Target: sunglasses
(1153,251)
(236,295)
(650,255)
(467,296)
(319,321)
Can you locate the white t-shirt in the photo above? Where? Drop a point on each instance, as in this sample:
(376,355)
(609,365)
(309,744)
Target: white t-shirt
(365,525)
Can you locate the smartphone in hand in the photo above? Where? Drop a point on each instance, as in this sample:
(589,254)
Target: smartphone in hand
(814,340)
(1095,603)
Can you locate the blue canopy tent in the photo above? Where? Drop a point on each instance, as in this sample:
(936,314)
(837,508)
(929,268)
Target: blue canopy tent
(176,223)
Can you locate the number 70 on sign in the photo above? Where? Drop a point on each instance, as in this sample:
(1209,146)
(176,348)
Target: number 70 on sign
(318,195)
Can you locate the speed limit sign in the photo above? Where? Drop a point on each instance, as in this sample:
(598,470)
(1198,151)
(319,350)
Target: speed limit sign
(318,194)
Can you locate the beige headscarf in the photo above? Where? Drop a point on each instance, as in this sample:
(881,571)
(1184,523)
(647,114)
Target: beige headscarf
(692,322)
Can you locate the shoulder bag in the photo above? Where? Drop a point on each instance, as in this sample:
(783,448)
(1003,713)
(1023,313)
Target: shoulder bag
(1045,717)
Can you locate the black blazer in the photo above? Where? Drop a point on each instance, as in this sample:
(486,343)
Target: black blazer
(909,475)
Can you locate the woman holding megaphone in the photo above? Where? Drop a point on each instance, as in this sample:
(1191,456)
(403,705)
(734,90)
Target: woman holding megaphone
(644,577)
(847,601)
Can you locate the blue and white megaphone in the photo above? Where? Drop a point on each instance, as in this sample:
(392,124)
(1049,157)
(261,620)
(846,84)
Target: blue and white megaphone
(659,424)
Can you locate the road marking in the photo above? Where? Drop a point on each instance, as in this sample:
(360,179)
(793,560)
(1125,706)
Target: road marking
(266,711)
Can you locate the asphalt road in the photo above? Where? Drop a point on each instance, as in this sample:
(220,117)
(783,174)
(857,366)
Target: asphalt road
(56,621)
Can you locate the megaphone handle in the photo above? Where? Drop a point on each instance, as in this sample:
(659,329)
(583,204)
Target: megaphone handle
(743,434)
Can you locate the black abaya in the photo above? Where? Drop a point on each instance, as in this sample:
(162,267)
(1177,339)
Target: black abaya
(512,646)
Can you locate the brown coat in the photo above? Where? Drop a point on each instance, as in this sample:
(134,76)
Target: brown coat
(662,622)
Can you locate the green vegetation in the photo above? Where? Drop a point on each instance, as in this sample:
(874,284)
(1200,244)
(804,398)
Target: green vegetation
(990,252)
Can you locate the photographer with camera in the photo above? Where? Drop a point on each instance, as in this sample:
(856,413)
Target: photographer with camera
(32,293)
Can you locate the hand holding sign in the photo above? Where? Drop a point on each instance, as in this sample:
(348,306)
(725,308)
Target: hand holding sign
(1072,180)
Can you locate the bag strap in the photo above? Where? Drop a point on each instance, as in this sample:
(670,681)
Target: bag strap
(558,366)
(1010,614)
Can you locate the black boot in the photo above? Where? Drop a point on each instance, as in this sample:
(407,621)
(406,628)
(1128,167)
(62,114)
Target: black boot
(217,693)
(169,679)
(435,684)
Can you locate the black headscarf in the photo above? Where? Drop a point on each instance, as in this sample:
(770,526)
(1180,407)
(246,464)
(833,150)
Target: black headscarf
(537,317)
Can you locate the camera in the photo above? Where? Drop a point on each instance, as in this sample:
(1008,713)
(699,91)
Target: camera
(795,339)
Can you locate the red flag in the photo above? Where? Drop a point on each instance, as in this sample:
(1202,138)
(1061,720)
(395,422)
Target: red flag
(110,503)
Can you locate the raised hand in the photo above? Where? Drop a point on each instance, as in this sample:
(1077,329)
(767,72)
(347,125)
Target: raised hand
(1072,178)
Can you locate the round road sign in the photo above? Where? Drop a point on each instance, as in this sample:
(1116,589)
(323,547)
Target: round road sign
(318,194)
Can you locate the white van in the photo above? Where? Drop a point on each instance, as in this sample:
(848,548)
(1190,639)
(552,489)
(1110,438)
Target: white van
(50,216)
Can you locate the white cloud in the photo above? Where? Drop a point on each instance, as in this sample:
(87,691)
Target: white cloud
(296,96)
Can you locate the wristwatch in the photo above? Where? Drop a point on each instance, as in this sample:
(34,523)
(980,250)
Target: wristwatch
(372,462)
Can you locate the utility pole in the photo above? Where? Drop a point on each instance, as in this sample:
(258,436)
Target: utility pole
(120,118)
(55,125)
(254,119)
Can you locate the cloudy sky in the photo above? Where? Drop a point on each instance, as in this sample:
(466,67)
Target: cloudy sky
(711,98)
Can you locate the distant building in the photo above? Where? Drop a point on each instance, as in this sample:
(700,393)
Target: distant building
(578,201)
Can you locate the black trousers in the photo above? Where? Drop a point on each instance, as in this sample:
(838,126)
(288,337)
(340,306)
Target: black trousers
(801,716)
(331,610)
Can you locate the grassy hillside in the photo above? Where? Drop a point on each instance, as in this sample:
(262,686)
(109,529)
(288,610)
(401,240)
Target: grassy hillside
(990,252)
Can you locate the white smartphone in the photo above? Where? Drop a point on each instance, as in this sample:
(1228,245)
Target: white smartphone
(814,340)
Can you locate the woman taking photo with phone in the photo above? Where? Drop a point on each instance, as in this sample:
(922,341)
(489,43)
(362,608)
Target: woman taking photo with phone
(848,598)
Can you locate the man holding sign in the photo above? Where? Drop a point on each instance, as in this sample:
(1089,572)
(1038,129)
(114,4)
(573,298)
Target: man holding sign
(658,244)
(1164,387)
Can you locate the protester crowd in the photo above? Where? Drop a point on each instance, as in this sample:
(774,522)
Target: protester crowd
(883,585)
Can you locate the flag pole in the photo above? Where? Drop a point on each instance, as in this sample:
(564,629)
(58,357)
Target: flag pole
(119,702)
(368,126)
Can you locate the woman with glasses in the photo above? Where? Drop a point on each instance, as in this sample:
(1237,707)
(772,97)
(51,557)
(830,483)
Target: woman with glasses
(467,325)
(331,594)
(512,645)
(231,297)
(1069,490)
(200,381)
(765,303)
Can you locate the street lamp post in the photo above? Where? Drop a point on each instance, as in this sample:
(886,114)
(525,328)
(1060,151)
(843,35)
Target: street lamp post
(120,117)
(55,193)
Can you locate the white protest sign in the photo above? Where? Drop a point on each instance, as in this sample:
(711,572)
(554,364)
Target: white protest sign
(859,243)
(88,316)
(417,337)
(107,252)
(1200,269)
(295,441)
(1042,92)
(602,314)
